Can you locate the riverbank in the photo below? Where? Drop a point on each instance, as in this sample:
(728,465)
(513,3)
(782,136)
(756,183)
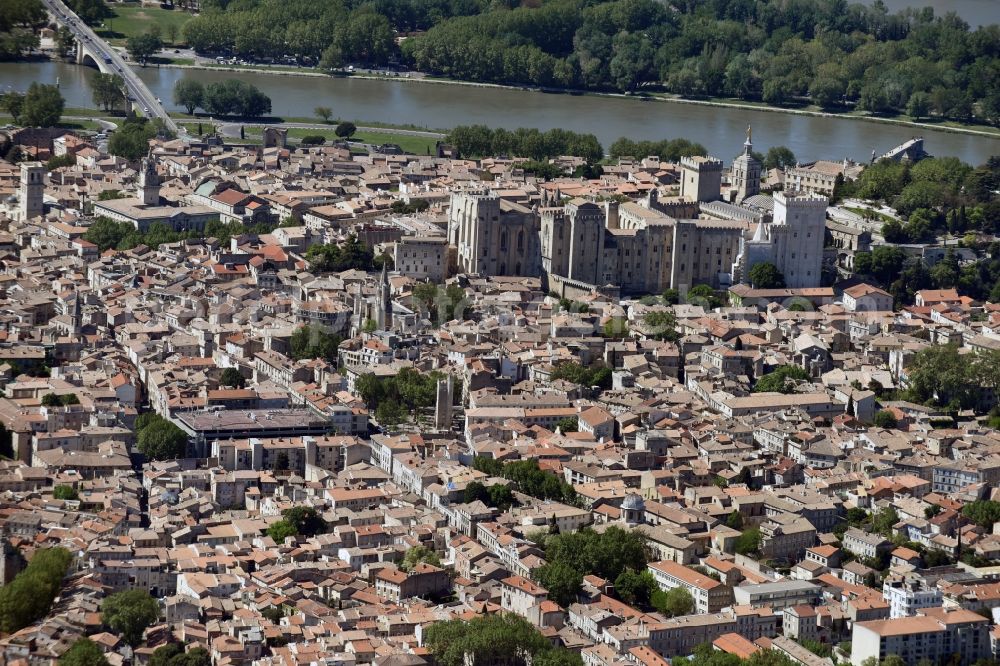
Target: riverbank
(945,126)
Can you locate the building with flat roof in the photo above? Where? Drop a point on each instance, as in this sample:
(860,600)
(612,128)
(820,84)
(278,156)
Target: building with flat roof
(208,426)
(779,595)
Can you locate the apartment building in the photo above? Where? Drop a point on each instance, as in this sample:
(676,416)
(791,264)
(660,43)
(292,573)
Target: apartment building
(907,594)
(779,595)
(709,595)
(935,634)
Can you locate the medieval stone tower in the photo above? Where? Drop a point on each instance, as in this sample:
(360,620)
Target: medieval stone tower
(746,171)
(149,183)
(32,190)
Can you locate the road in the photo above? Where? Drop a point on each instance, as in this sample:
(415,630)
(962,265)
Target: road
(111,61)
(232,130)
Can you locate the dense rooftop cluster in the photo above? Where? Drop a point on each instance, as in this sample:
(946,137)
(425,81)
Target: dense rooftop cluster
(253,416)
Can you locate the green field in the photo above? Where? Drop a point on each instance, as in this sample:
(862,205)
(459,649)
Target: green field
(131,20)
(418,145)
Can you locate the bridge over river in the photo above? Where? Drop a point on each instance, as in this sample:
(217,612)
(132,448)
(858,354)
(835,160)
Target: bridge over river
(91,49)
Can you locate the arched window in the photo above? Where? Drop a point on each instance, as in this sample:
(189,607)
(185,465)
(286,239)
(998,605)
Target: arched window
(520,241)
(503,240)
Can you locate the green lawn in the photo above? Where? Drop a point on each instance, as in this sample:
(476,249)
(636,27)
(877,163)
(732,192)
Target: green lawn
(131,20)
(418,145)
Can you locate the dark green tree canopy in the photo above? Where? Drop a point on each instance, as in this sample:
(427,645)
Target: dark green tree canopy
(129,614)
(84,652)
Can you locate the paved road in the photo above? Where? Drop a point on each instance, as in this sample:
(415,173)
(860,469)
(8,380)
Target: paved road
(232,130)
(110,60)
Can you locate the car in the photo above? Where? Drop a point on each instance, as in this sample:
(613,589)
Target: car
(145,109)
(177,50)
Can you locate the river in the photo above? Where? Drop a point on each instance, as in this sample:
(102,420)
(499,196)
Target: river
(721,130)
(974,12)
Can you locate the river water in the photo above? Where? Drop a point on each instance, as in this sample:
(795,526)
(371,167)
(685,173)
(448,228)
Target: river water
(974,12)
(721,130)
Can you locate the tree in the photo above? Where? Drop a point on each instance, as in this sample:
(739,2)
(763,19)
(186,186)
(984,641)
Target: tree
(232,377)
(827,91)
(390,414)
(108,90)
(636,588)
(735,520)
(417,555)
(884,521)
(323,112)
(661,324)
(982,512)
(595,375)
(748,542)
(779,157)
(313,140)
(233,97)
(281,530)
(885,419)
(131,140)
(674,602)
(492,638)
(160,439)
(766,275)
(562,581)
(782,379)
(65,42)
(189,93)
(90,12)
(129,613)
(941,375)
(305,519)
(65,493)
(83,652)
(42,106)
(314,341)
(568,424)
(345,130)
(281,462)
(919,105)
(29,596)
(141,47)
(172,654)
(500,496)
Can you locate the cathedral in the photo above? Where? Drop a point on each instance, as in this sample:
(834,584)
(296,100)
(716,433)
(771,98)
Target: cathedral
(705,235)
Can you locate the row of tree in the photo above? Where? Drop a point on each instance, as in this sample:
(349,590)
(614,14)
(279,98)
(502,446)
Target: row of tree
(158,438)
(231,97)
(528,478)
(108,234)
(481,141)
(28,597)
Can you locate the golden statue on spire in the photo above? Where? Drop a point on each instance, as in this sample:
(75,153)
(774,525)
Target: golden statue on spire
(749,134)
